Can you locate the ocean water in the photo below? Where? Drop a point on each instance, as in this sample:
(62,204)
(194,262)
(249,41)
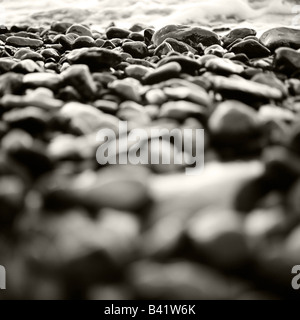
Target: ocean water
(100,13)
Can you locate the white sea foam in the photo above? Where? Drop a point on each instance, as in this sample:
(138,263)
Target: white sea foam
(151,12)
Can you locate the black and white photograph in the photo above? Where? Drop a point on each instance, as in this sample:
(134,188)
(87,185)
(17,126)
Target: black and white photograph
(149,151)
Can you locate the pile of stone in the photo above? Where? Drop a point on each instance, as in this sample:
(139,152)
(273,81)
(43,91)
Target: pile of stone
(71,228)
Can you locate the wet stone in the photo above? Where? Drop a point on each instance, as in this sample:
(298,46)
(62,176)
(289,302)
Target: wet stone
(114,32)
(245,89)
(287,60)
(30,119)
(6,64)
(136,49)
(136,71)
(80,77)
(181,110)
(163,49)
(251,48)
(188,65)
(179,46)
(83,42)
(128,89)
(60,27)
(162,73)
(27,66)
(235,34)
(95,58)
(218,235)
(80,30)
(50,53)
(106,106)
(136,36)
(281,37)
(235,125)
(223,66)
(24,42)
(86,119)
(47,80)
(190,35)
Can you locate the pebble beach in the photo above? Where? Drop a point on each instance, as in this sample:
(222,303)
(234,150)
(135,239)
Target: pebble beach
(71,228)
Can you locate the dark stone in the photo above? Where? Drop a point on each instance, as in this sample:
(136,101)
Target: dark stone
(235,34)
(251,48)
(96,58)
(187,64)
(12,195)
(287,60)
(163,49)
(80,30)
(26,66)
(83,42)
(67,40)
(136,49)
(80,78)
(179,46)
(24,42)
(30,119)
(114,32)
(281,37)
(10,83)
(235,126)
(60,27)
(148,34)
(190,35)
(50,53)
(223,66)
(6,64)
(135,36)
(167,71)
(245,90)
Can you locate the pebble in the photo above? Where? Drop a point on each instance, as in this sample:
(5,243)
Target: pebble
(243,89)
(190,35)
(235,34)
(188,65)
(136,71)
(253,49)
(128,88)
(163,49)
(114,32)
(193,93)
(26,66)
(80,78)
(162,73)
(47,80)
(86,119)
(217,235)
(83,42)
(181,110)
(287,60)
(60,27)
(136,49)
(95,58)
(179,46)
(281,37)
(10,83)
(235,125)
(24,42)
(80,30)
(223,66)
